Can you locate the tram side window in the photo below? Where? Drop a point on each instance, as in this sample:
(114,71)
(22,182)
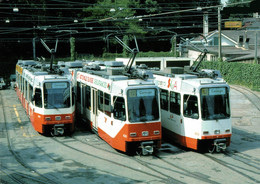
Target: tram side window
(164,99)
(25,90)
(175,103)
(73,96)
(190,106)
(78,93)
(107,105)
(22,86)
(100,101)
(38,97)
(83,96)
(18,80)
(30,93)
(88,97)
(104,102)
(119,108)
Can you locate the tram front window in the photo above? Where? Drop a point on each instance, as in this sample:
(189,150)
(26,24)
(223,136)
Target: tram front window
(215,103)
(56,95)
(143,105)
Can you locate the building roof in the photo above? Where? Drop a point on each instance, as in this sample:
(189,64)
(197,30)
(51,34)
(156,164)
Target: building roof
(232,52)
(232,35)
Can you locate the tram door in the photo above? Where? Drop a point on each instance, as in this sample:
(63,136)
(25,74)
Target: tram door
(94,115)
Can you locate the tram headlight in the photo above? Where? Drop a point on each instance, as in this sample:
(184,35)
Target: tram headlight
(205,132)
(67,117)
(133,134)
(227,131)
(156,132)
(48,118)
(217,131)
(145,133)
(57,118)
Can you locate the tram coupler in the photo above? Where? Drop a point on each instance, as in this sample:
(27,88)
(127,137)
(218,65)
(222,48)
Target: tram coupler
(220,145)
(58,129)
(147,147)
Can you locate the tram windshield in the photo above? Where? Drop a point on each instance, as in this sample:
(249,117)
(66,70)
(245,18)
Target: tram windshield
(56,95)
(143,105)
(215,103)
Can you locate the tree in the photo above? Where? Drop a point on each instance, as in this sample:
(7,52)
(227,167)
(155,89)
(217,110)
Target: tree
(115,17)
(237,9)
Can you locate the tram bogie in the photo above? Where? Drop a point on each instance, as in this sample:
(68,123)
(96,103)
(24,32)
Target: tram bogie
(46,96)
(122,110)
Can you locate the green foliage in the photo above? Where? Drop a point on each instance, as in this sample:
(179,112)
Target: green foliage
(155,54)
(116,14)
(151,6)
(237,73)
(140,54)
(111,56)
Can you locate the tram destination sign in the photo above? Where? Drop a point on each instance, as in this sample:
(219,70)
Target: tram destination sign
(213,91)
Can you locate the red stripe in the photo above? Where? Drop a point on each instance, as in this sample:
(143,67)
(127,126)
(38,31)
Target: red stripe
(216,136)
(123,136)
(191,142)
(38,120)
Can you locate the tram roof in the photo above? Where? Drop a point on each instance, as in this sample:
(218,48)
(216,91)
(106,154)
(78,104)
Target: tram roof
(196,82)
(27,62)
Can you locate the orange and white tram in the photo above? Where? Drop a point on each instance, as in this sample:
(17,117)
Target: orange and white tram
(47,97)
(195,109)
(122,110)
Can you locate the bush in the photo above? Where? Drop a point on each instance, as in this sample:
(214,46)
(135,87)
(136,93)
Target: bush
(140,54)
(247,75)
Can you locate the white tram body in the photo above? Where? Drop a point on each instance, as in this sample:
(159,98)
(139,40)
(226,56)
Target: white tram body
(46,96)
(195,111)
(122,111)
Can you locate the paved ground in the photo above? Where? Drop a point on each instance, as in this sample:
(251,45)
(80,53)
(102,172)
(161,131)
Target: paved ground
(28,157)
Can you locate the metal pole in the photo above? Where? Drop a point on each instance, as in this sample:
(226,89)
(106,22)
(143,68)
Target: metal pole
(219,35)
(34,49)
(205,24)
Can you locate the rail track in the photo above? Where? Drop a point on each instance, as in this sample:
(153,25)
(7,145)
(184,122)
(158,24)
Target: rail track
(125,165)
(15,175)
(164,166)
(250,95)
(161,167)
(241,170)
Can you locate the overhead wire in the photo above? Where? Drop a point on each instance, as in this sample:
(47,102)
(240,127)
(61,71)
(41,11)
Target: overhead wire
(150,17)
